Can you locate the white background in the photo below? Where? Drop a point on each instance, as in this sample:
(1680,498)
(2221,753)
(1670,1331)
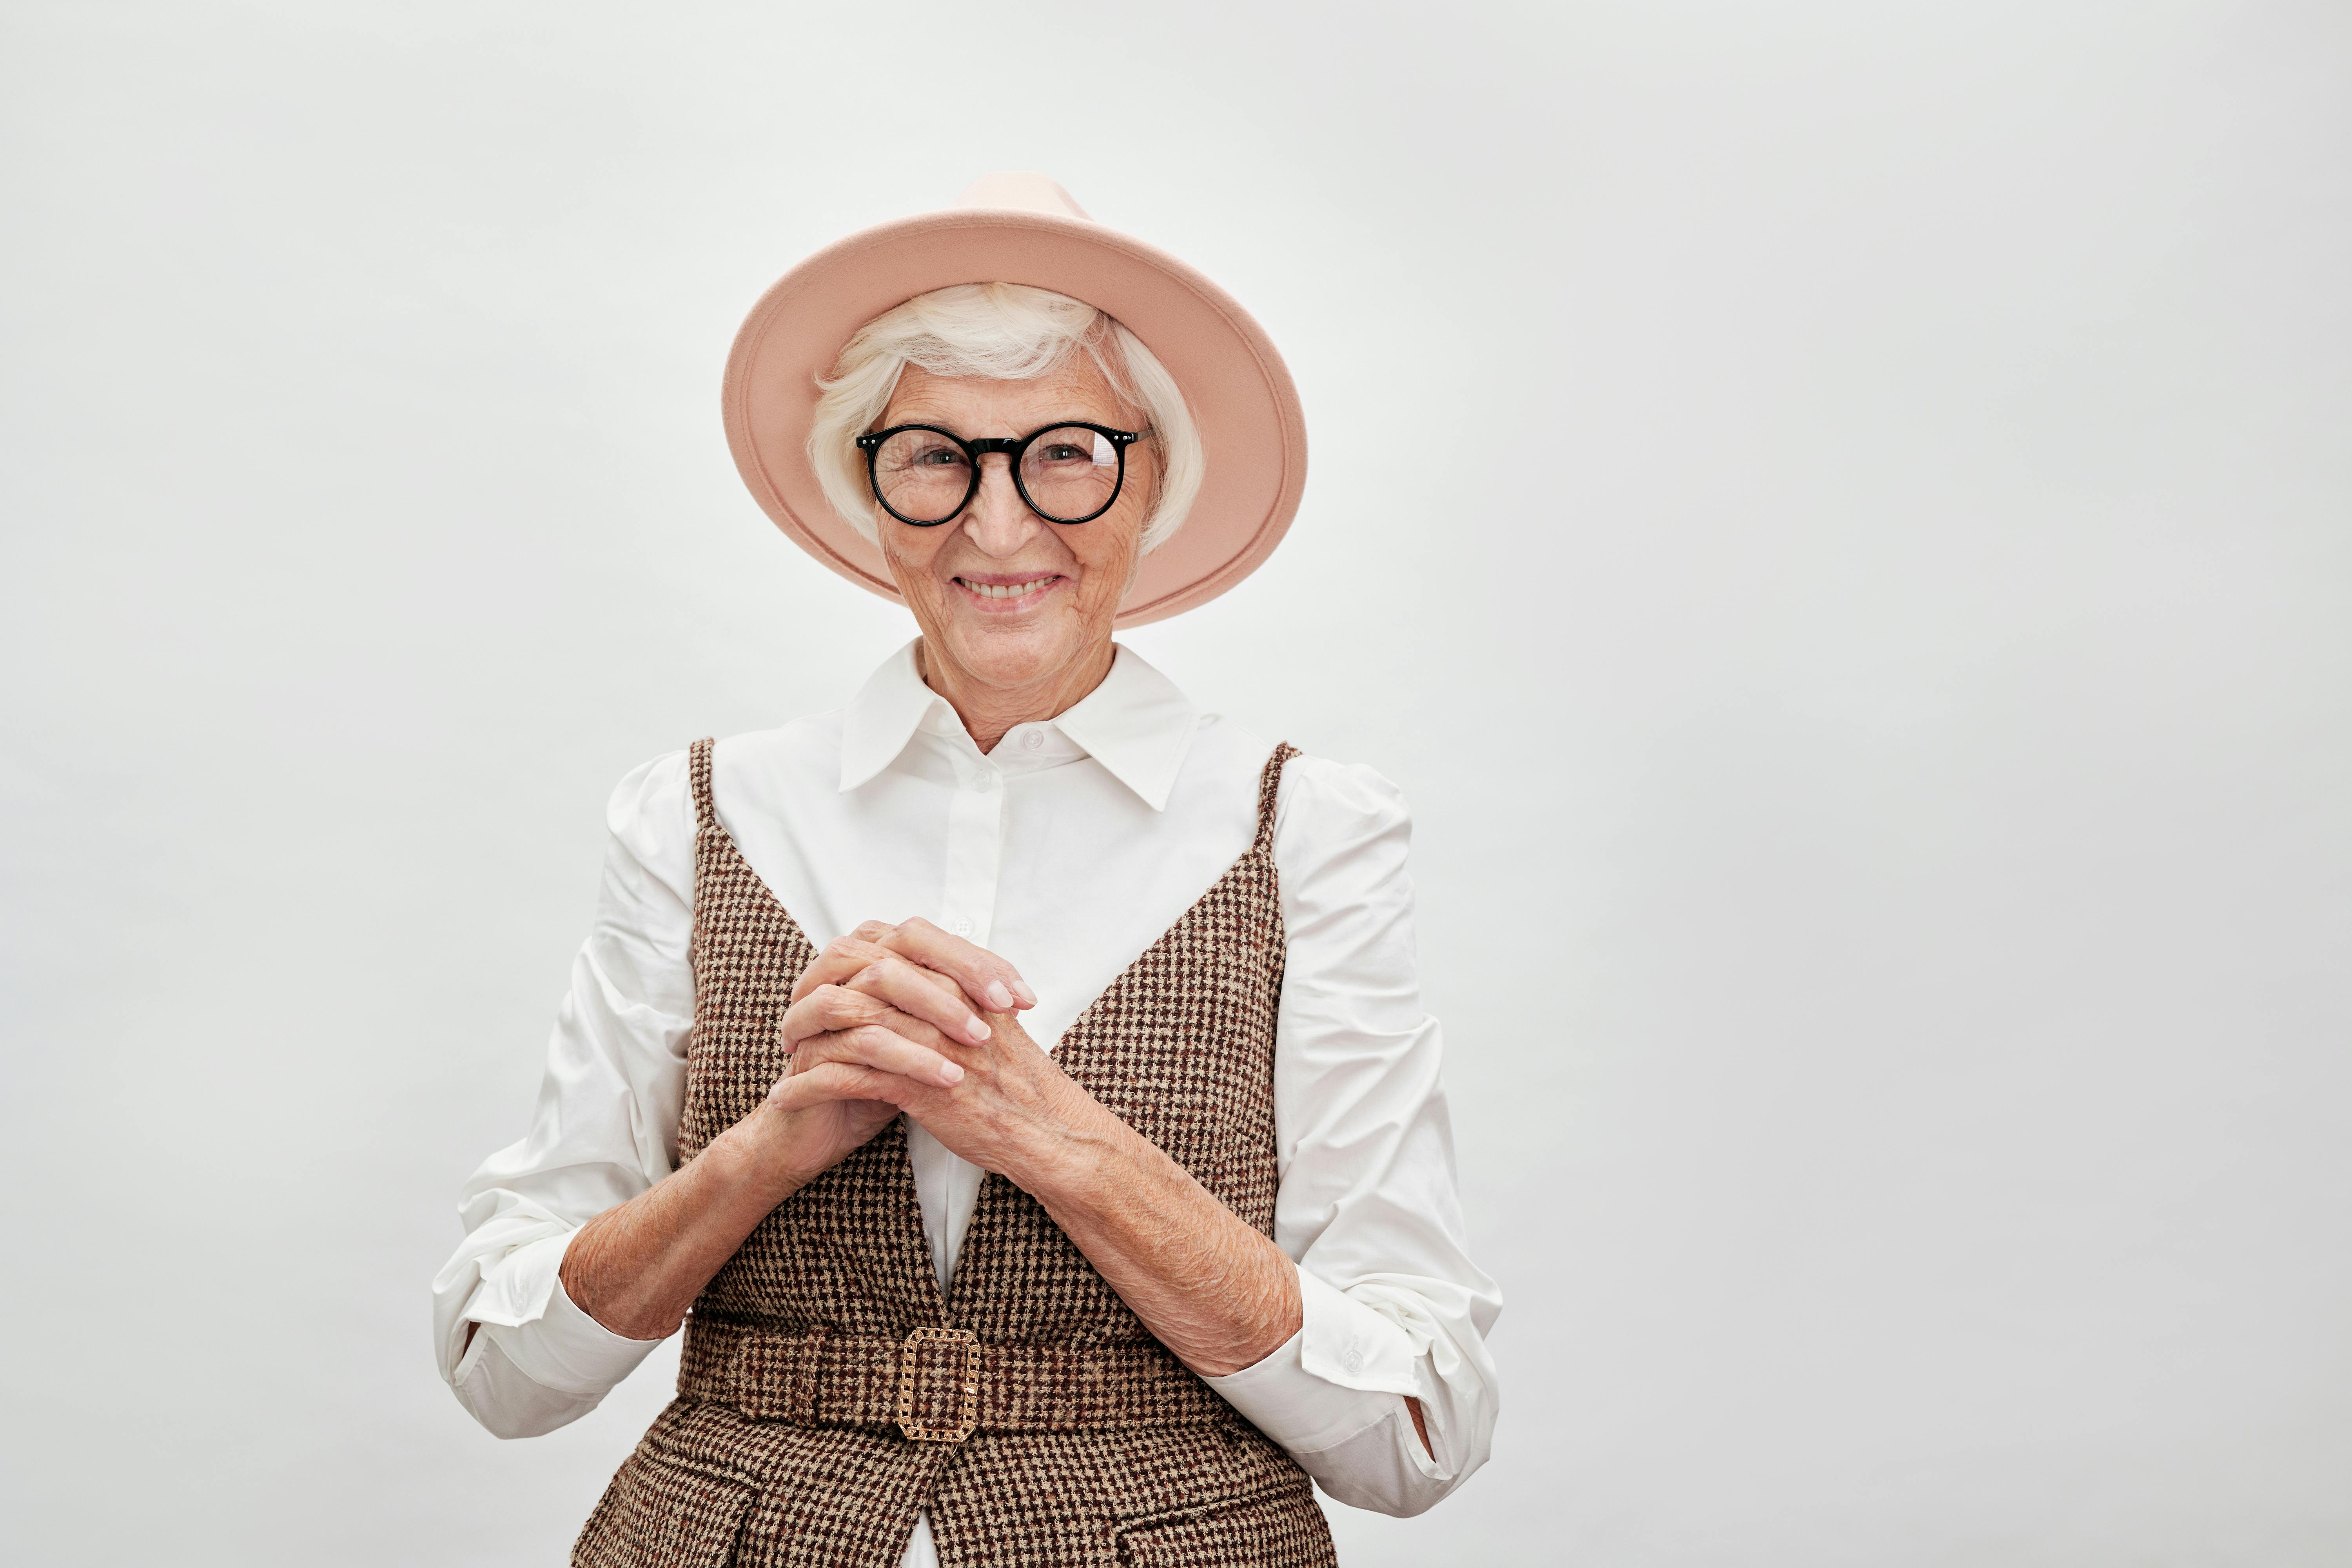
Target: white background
(1839,517)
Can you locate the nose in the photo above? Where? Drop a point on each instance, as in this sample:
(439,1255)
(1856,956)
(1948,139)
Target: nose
(998,520)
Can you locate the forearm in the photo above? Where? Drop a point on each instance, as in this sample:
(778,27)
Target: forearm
(1212,1289)
(637,1268)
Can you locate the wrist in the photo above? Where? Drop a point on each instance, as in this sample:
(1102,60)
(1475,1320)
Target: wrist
(759,1150)
(1076,1163)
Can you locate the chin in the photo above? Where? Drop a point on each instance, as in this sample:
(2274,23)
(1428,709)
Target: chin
(1009,652)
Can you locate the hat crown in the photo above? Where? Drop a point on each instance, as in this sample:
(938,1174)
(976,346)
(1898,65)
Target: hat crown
(1021,192)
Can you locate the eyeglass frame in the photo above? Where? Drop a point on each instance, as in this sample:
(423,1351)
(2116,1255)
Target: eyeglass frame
(1015,448)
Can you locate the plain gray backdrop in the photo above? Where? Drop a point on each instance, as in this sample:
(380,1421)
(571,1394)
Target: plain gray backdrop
(1839,517)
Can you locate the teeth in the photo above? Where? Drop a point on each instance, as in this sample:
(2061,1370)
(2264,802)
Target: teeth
(1006,591)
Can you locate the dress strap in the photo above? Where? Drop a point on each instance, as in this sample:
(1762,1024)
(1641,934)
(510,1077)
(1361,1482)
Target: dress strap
(697,764)
(1269,784)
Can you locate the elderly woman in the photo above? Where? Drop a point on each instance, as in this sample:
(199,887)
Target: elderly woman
(1014,1081)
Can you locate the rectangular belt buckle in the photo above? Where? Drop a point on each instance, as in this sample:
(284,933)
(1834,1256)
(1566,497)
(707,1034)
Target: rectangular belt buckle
(932,1432)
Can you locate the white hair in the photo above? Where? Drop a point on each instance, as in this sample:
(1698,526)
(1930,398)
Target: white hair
(1014,332)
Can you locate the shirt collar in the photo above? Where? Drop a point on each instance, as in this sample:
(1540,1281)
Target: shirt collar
(1137,724)
(884,716)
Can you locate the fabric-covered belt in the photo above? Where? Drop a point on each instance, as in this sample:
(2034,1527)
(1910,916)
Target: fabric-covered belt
(938,1384)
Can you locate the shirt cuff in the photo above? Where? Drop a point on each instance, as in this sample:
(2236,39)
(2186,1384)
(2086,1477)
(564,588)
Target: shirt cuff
(558,1346)
(1341,1374)
(1348,1343)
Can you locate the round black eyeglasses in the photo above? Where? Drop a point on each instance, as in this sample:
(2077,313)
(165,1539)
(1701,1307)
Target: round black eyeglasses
(1067,473)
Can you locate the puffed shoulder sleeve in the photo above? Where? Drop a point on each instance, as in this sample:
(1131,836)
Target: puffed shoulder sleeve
(1394,1305)
(521,1357)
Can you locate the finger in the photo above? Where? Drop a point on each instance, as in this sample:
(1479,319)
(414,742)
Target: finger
(885,1046)
(923,993)
(841,959)
(837,1081)
(987,979)
(837,1010)
(824,1009)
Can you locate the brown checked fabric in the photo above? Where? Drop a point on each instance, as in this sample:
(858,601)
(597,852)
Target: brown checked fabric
(1090,1443)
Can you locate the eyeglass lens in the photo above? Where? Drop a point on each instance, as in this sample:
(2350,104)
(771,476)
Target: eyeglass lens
(1069,474)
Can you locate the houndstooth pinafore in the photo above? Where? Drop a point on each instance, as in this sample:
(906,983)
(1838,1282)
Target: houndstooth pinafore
(807,1359)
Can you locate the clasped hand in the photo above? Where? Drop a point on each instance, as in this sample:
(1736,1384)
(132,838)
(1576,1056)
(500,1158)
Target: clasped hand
(908,1018)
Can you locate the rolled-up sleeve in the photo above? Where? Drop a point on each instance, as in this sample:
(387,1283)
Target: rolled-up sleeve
(1369,1209)
(522,1358)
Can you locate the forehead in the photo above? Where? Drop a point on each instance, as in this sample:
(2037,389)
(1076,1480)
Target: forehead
(981,405)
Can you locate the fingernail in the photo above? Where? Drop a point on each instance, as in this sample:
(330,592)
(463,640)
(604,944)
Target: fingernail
(999,997)
(950,1073)
(976,1029)
(1028,997)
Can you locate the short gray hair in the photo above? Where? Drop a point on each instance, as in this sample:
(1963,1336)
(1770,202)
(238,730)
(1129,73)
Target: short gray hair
(1014,332)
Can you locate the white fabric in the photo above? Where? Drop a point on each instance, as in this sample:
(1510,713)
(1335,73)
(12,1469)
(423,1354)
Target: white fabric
(887,810)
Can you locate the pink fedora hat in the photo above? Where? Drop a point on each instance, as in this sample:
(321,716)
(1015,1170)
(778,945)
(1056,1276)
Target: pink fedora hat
(1024,229)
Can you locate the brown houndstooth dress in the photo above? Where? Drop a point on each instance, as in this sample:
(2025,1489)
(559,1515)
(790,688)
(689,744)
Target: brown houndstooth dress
(806,1366)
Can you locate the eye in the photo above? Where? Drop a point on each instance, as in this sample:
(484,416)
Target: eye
(914,451)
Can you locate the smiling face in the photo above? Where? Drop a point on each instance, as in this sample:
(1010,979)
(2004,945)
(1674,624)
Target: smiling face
(1016,612)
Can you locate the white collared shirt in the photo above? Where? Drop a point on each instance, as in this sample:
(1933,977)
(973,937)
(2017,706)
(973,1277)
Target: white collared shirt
(1068,849)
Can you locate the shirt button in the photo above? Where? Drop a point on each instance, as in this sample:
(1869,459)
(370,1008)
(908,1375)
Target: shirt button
(1033,739)
(1354,1358)
(984,783)
(961,927)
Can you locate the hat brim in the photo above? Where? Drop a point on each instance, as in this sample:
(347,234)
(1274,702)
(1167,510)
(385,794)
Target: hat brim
(1253,431)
